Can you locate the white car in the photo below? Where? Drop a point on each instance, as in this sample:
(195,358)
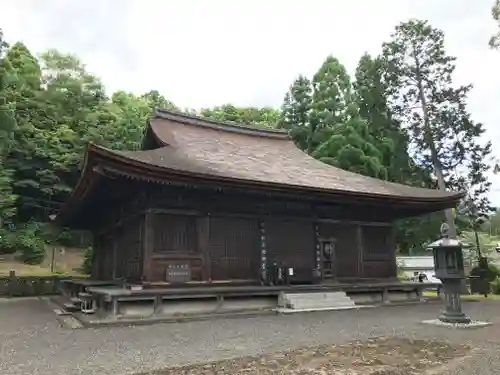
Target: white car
(429,278)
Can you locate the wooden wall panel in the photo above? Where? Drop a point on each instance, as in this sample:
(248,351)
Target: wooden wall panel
(377,243)
(174,234)
(126,252)
(346,247)
(104,257)
(379,255)
(234,248)
(174,243)
(292,244)
(378,269)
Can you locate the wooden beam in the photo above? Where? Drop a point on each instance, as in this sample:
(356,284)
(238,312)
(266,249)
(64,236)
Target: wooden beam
(363,223)
(175,211)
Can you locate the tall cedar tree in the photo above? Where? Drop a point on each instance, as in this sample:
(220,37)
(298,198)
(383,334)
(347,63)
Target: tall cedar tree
(444,137)
(393,142)
(352,147)
(332,94)
(343,137)
(296,111)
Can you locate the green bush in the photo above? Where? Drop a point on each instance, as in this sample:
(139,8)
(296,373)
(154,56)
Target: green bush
(31,243)
(494,268)
(29,240)
(495,286)
(8,242)
(87,261)
(491,274)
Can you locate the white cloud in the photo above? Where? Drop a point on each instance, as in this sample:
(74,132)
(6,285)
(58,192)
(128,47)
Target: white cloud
(247,52)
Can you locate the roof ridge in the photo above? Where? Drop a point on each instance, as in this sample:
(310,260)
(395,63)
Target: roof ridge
(232,127)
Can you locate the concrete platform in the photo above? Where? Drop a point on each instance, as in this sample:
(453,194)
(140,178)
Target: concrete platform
(147,305)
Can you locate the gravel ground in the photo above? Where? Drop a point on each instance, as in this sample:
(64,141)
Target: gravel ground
(33,342)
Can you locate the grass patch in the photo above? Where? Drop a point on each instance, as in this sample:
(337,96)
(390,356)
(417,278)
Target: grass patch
(383,355)
(67,262)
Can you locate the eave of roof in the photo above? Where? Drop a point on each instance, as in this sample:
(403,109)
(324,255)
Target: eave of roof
(192,147)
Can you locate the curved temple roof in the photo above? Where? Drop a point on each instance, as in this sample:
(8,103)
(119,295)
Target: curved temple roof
(193,146)
(204,147)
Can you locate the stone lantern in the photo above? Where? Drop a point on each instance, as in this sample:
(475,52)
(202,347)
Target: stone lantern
(449,268)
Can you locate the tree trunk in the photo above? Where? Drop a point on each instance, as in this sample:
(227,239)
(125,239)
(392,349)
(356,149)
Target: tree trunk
(429,138)
(478,244)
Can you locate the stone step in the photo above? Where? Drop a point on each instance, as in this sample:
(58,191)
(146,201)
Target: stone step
(320,306)
(317,300)
(317,296)
(71,307)
(320,302)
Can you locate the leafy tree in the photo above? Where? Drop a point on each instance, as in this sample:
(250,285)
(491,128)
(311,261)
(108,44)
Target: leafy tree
(495,13)
(260,117)
(156,100)
(27,158)
(7,128)
(434,111)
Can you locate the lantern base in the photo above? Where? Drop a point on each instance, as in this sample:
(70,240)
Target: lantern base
(454,317)
(471,325)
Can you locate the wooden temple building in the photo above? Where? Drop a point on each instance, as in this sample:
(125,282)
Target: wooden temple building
(236,210)
(206,201)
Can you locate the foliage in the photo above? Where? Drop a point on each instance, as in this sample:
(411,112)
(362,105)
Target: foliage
(31,242)
(492,225)
(7,128)
(351,147)
(495,13)
(444,137)
(260,117)
(495,286)
(52,106)
(87,261)
(296,111)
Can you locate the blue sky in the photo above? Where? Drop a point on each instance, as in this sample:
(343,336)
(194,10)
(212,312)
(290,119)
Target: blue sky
(247,52)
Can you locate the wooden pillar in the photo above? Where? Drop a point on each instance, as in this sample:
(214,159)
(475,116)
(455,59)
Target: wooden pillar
(148,243)
(359,232)
(115,254)
(392,249)
(94,265)
(263,251)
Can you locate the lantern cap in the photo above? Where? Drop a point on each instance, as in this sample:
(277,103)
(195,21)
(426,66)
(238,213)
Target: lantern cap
(445,242)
